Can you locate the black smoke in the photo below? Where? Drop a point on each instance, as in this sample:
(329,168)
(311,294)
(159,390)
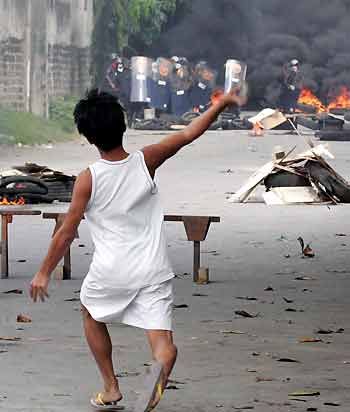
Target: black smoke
(267,34)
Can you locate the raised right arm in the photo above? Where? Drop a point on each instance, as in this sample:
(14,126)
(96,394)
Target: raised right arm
(157,154)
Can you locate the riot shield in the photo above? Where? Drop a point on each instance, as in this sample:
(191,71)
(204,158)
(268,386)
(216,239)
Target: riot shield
(235,76)
(141,72)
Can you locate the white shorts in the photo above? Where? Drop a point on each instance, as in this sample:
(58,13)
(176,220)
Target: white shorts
(148,308)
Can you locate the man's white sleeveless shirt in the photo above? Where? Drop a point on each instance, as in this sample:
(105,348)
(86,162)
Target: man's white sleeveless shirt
(125,218)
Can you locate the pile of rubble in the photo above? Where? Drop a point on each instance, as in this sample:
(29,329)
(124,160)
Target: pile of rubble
(304,179)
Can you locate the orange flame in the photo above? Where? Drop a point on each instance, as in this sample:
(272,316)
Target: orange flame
(342,101)
(6,202)
(258,129)
(308,98)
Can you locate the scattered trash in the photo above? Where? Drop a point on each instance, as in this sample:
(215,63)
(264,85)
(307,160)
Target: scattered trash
(184,306)
(172,387)
(264,379)
(304,278)
(232,332)
(10,339)
(329,331)
(306,250)
(310,340)
(338,271)
(305,393)
(245,314)
(126,374)
(14,291)
(288,360)
(23,319)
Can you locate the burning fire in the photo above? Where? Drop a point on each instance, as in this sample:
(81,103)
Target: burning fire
(6,202)
(216,96)
(258,129)
(308,98)
(342,101)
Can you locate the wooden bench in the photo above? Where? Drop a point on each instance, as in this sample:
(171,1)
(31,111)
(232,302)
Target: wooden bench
(6,219)
(196,228)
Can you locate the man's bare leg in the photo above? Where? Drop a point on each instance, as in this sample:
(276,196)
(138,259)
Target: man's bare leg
(101,347)
(164,351)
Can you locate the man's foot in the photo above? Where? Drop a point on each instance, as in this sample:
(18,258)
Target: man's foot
(107,401)
(152,390)
(157,397)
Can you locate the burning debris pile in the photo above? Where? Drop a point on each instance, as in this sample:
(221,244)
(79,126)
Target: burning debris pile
(306,178)
(32,183)
(331,121)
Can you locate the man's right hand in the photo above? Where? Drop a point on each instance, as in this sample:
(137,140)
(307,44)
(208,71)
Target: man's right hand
(39,287)
(234,98)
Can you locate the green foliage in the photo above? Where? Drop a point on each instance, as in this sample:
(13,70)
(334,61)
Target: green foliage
(61,110)
(117,21)
(26,128)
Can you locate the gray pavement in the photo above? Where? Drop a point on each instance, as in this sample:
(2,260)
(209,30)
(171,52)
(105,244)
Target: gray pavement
(50,369)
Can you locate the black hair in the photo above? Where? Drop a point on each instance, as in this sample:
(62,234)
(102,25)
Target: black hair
(100,118)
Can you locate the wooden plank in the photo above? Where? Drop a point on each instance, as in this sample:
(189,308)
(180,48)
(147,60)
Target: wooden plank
(4,247)
(196,259)
(13,212)
(67,267)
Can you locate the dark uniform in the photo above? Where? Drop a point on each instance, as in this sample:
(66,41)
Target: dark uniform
(180,88)
(291,86)
(160,86)
(203,87)
(117,81)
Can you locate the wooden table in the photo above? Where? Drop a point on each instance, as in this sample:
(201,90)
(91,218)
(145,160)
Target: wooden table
(196,228)
(7,218)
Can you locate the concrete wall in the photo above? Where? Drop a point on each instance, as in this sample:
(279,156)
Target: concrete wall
(44,51)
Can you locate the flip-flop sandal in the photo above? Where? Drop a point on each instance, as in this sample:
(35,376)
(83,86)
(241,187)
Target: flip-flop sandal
(152,385)
(99,404)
